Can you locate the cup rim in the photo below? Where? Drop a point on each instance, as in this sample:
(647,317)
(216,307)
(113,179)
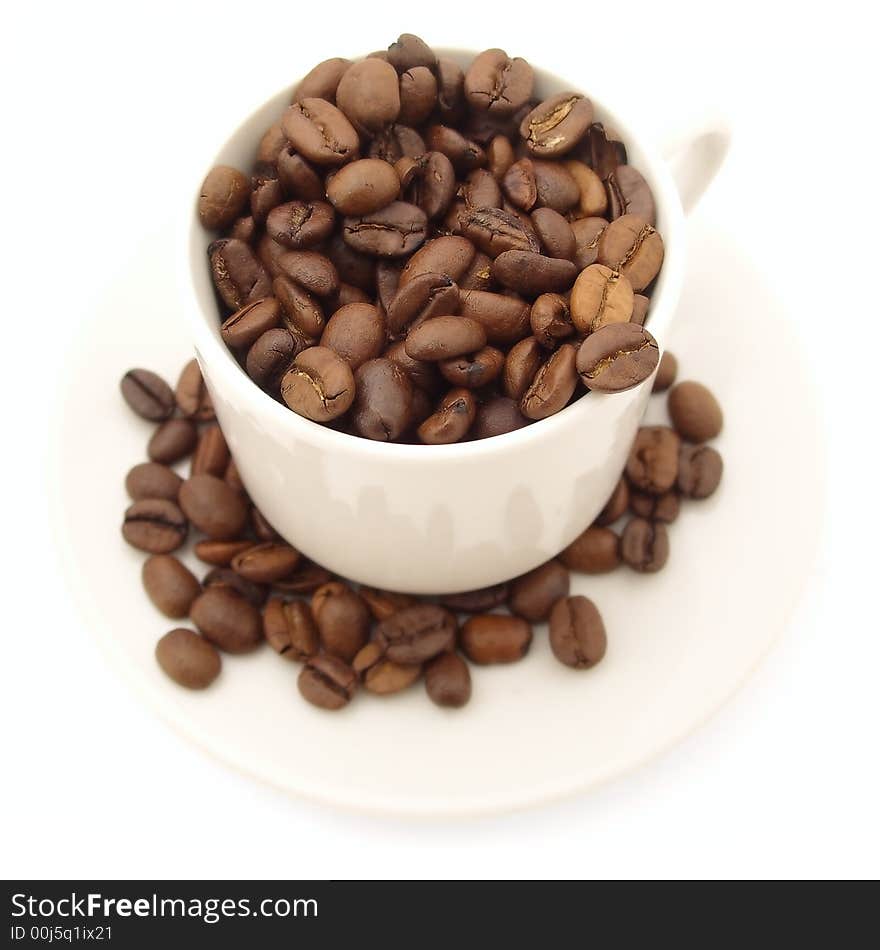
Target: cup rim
(574,416)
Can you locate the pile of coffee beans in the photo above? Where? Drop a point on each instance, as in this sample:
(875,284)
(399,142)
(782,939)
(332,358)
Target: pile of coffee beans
(258,587)
(428,254)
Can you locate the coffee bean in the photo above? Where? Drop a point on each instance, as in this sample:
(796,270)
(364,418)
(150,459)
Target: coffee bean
(475,370)
(266,191)
(384,603)
(494,231)
(663,507)
(223,196)
(155,525)
(151,480)
(290,629)
(640,312)
(556,186)
(298,178)
(272,144)
(699,470)
(452,420)
(301,312)
(533,595)
(416,634)
(363,187)
(147,394)
(464,154)
(520,185)
(497,83)
(616,505)
(425,296)
(383,400)
(271,356)
(320,132)
(244,229)
(355,332)
(652,465)
(666,372)
(600,296)
(450,90)
(238,276)
(607,152)
(595,551)
(172,441)
(555,234)
(557,124)
(422,374)
(428,181)
(497,416)
(385,677)
(480,190)
(504,318)
(533,274)
(191,394)
(247,325)
(448,680)
(229,621)
(212,453)
(327,682)
(396,230)
(550,321)
(418,95)
(312,271)
(321,82)
(213,507)
(300,224)
(479,275)
(409,52)
(577,633)
(387,281)
(629,193)
(345,295)
(342,618)
(220,553)
(188,659)
(369,95)
(441,338)
(587,232)
(477,601)
(269,254)
(495,638)
(592,199)
(644,545)
(395,142)
(266,563)
(617,357)
(262,527)
(631,245)
(447,255)
(305,580)
(522,363)
(694,411)
(232,477)
(254,594)
(319,385)
(170,585)
(553,385)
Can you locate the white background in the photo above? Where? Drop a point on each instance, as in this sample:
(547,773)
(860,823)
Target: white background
(103,104)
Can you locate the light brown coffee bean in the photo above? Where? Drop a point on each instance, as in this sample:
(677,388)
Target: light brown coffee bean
(522,363)
(498,84)
(495,638)
(320,132)
(617,357)
(188,659)
(220,553)
(694,411)
(169,584)
(519,184)
(592,199)
(321,82)
(595,551)
(369,95)
(452,419)
(305,580)
(631,245)
(556,125)
(418,95)
(385,677)
(363,186)
(587,232)
(223,196)
(319,385)
(227,619)
(554,384)
(266,563)
(577,633)
(600,296)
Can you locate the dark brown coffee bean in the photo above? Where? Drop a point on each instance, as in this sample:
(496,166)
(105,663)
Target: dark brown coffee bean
(169,584)
(300,224)
(266,563)
(225,618)
(270,358)
(595,551)
(592,199)
(254,594)
(666,372)
(427,295)
(587,232)
(342,618)
(188,659)
(497,83)
(369,95)
(616,505)
(652,465)
(320,132)
(266,191)
(271,145)
(212,453)
(147,394)
(699,471)
(423,375)
(384,603)
(232,477)
(550,321)
(448,680)
(213,507)
(363,187)
(644,545)
(395,142)
(464,154)
(617,357)
(554,233)
(394,231)
(298,178)
(418,95)
(663,508)
(448,255)
(310,270)
(409,52)
(450,90)
(504,318)
(577,633)
(494,231)
(352,267)
(269,253)
(556,125)
(452,420)
(327,682)
(191,394)
(151,480)
(475,370)
(356,332)
(290,629)
(522,363)
(301,312)
(606,150)
(319,385)
(155,525)
(533,595)
(305,580)
(416,634)
(220,553)
(238,276)
(629,193)
(533,274)
(172,441)
(557,188)
(246,326)
(520,185)
(428,181)
(497,416)
(441,338)
(632,246)
(495,638)
(224,195)
(321,82)
(694,411)
(600,296)
(477,601)
(383,400)
(554,384)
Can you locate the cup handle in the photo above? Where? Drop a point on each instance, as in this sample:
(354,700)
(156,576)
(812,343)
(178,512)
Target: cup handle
(695,156)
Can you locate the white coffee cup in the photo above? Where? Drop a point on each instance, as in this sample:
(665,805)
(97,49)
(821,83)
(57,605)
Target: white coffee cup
(439,518)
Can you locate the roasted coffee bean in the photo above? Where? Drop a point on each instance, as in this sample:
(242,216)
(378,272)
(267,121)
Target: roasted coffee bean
(416,634)
(188,659)
(369,95)
(533,595)
(327,682)
(629,193)
(353,267)
(644,545)
(223,197)
(450,90)
(694,411)
(607,152)
(555,234)
(497,416)
(212,453)
(533,274)
(554,384)
(246,326)
(155,525)
(600,296)
(238,276)
(383,400)
(477,601)
(595,551)
(387,281)
(666,372)
(475,370)
(652,465)
(480,190)
(266,191)
(394,231)
(173,440)
(699,470)
(383,676)
(272,144)
(495,638)
(441,338)
(169,584)
(504,318)
(587,233)
(220,553)
(424,375)
(269,254)
(312,271)
(244,229)
(663,507)
(147,394)
(452,420)
(363,187)
(320,132)
(497,83)
(464,154)
(410,51)
(640,311)
(301,312)
(617,357)
(631,245)
(556,125)
(520,185)
(300,224)
(428,182)
(321,82)
(395,142)
(191,394)
(577,633)
(225,577)
(229,621)
(522,363)
(479,275)
(550,321)
(556,187)
(494,231)
(346,294)
(298,178)
(342,618)
(213,507)
(266,563)
(270,358)
(151,480)
(305,580)
(418,95)
(500,156)
(262,527)
(616,505)
(448,255)
(290,629)
(355,332)
(592,199)
(319,385)
(427,295)
(448,680)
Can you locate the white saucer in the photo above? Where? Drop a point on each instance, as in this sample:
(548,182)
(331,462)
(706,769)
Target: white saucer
(680,642)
